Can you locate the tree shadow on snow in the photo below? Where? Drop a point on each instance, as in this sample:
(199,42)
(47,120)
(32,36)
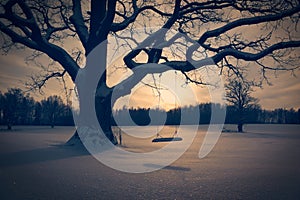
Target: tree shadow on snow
(176,168)
(50,153)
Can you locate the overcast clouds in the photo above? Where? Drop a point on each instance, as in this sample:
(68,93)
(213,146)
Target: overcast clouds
(285,91)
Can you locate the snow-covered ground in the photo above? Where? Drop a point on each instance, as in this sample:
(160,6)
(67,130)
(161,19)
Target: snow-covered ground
(263,163)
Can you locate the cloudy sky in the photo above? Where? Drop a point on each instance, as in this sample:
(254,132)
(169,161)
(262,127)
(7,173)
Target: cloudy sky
(283,93)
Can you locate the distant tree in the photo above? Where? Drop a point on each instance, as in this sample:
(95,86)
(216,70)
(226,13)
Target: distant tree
(37,116)
(19,108)
(140,116)
(173,116)
(1,107)
(205,113)
(298,116)
(26,111)
(66,117)
(238,94)
(12,106)
(280,116)
(253,114)
(51,107)
(291,116)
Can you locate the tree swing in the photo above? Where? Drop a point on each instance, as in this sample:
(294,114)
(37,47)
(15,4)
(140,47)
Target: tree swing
(174,138)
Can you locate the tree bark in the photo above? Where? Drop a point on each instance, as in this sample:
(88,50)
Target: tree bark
(101,99)
(241,119)
(104,115)
(74,140)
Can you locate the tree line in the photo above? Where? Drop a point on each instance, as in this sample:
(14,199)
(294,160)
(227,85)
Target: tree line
(252,115)
(19,108)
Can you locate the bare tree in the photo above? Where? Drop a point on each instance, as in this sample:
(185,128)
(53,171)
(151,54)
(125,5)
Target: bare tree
(52,108)
(2,101)
(218,29)
(12,106)
(238,94)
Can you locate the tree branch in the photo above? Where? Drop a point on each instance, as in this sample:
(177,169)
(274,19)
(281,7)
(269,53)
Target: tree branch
(247,21)
(254,56)
(39,82)
(121,26)
(36,40)
(78,22)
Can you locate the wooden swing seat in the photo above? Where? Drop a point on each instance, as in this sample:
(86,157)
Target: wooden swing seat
(167,139)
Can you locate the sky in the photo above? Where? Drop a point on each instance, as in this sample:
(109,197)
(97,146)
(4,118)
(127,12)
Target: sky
(283,93)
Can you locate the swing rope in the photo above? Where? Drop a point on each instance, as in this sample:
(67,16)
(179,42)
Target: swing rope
(159,138)
(158,106)
(175,102)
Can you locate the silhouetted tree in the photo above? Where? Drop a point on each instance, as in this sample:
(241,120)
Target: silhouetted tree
(219,30)
(205,113)
(173,116)
(291,116)
(298,116)
(253,113)
(26,110)
(12,106)
(37,117)
(140,116)
(52,107)
(1,107)
(238,94)
(66,117)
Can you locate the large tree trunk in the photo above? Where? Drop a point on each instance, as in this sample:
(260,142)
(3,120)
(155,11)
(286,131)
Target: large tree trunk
(103,109)
(104,115)
(94,94)
(74,140)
